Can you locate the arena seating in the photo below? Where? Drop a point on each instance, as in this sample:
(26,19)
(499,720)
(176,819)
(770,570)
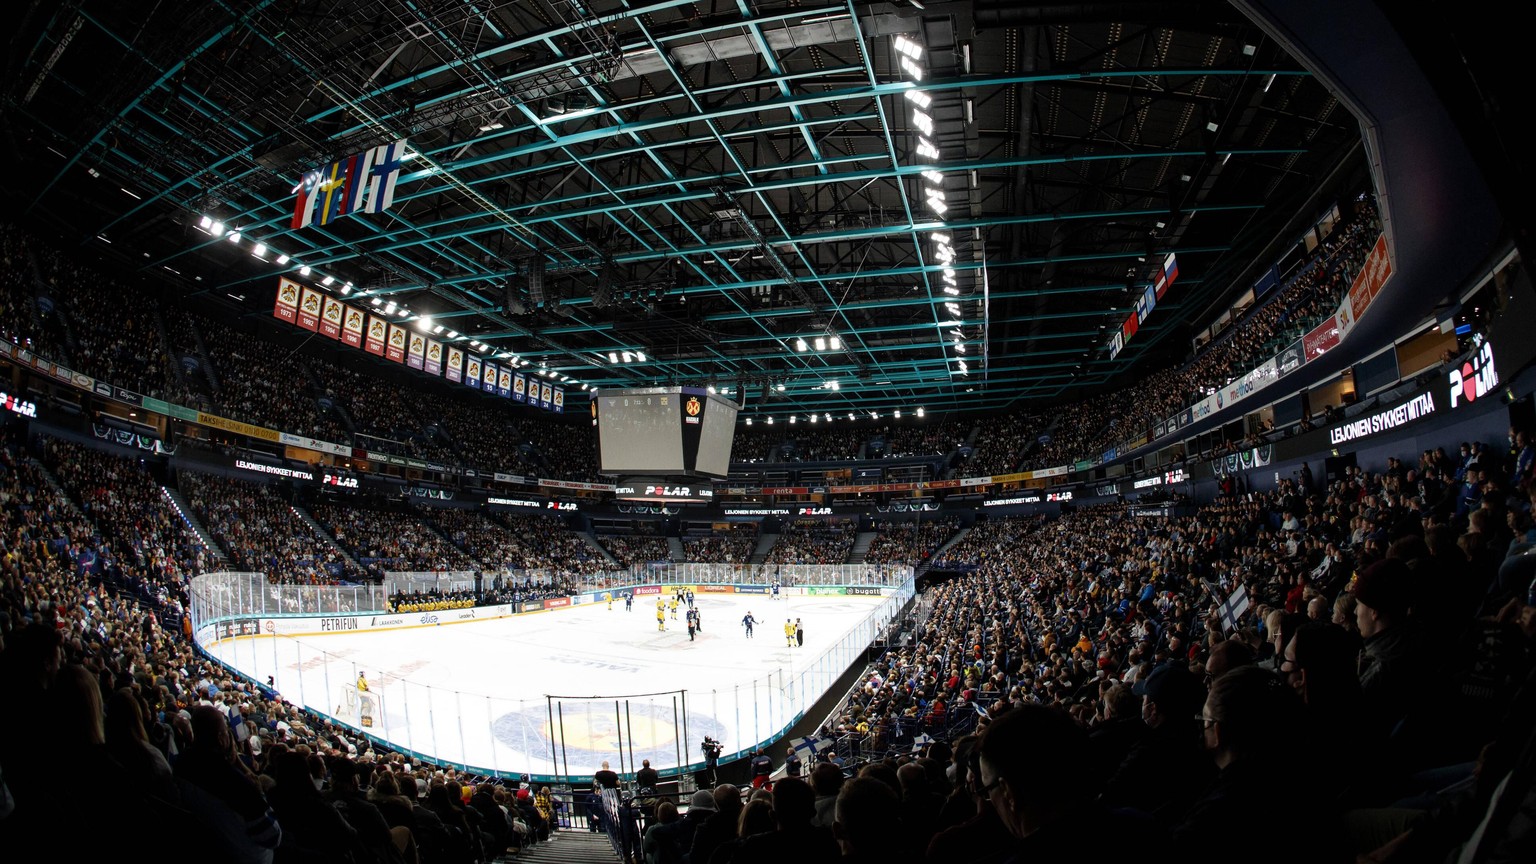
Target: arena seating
(118,340)
(810,541)
(261,533)
(726,547)
(908,542)
(1405,569)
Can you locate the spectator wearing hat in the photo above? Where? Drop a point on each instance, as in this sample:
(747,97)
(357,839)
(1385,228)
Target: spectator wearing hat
(1388,660)
(1165,770)
(700,807)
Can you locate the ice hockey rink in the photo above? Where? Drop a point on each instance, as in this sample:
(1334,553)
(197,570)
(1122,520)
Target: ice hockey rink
(477,692)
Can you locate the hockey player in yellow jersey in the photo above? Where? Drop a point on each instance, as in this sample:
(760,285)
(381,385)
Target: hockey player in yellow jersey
(674,607)
(661,614)
(789,632)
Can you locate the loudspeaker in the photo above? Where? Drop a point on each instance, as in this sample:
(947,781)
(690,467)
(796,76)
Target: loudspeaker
(536,279)
(512,300)
(602,293)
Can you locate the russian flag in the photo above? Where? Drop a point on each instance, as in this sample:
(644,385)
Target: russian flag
(1170,270)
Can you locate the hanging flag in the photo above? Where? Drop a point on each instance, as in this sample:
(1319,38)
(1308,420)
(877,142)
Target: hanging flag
(396,348)
(330,317)
(455,365)
(352,326)
(472,371)
(504,382)
(309,309)
(546,395)
(362,182)
(378,331)
(488,377)
(418,351)
(434,357)
(1170,272)
(559,403)
(520,387)
(287,306)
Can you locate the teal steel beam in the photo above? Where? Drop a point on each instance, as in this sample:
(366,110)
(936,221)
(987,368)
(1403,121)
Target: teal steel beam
(164,76)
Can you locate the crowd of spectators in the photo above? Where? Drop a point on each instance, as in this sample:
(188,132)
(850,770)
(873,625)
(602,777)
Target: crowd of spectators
(931,438)
(731,545)
(989,540)
(389,539)
(1393,604)
(813,541)
(909,542)
(801,442)
(125,501)
(108,331)
(632,550)
(1002,441)
(261,533)
(548,546)
(93,643)
(1112,696)
(96,325)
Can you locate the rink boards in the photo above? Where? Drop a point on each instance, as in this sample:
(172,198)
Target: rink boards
(489,688)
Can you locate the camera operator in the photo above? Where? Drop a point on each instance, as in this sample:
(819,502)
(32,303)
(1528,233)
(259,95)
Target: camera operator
(711,749)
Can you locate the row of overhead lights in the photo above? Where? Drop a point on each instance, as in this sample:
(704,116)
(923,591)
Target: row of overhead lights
(424,323)
(910,59)
(852,416)
(820,343)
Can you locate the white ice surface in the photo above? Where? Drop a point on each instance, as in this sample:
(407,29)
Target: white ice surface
(474,693)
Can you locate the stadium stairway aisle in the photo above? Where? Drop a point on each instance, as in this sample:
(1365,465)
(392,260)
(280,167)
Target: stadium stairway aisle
(569,847)
(928,562)
(675,548)
(764,546)
(321,531)
(860,548)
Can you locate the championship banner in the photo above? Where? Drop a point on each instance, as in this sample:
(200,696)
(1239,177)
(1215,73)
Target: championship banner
(559,403)
(309,309)
(546,395)
(520,387)
(396,348)
(330,317)
(455,371)
(377,331)
(352,326)
(488,377)
(472,371)
(287,306)
(417,353)
(504,382)
(434,364)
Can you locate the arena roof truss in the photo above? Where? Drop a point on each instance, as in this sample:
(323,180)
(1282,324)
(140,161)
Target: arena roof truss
(706,183)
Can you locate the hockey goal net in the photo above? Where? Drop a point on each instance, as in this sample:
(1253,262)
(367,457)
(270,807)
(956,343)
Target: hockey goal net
(362,708)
